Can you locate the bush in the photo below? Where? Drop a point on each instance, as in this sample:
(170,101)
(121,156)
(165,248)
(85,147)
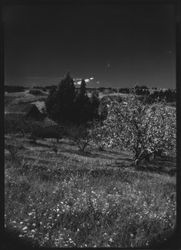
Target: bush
(55,132)
(158,96)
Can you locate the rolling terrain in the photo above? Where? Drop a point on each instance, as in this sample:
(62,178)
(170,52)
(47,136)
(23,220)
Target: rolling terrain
(58,196)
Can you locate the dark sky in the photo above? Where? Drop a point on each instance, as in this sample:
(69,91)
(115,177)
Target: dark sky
(118,45)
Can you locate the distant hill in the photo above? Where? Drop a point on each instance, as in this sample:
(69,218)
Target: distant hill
(10,89)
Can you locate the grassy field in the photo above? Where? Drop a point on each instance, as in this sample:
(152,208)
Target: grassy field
(96,199)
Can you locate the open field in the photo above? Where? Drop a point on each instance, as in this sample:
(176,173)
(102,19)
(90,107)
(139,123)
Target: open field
(96,199)
(18,98)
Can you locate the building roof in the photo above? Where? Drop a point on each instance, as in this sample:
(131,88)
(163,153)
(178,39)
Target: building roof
(25,108)
(40,106)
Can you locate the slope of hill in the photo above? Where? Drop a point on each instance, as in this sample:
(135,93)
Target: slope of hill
(65,198)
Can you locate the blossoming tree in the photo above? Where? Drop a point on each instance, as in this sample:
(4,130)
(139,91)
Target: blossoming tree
(141,129)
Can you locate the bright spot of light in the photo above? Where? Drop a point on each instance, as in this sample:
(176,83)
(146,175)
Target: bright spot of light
(79,82)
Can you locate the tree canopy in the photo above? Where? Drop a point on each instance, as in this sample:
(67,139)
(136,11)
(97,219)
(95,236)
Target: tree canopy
(141,129)
(66,104)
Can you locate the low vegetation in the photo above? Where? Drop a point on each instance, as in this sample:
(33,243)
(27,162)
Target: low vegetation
(67,199)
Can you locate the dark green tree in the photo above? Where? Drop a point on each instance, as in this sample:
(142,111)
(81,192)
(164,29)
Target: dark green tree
(94,105)
(51,105)
(82,105)
(60,102)
(83,88)
(66,105)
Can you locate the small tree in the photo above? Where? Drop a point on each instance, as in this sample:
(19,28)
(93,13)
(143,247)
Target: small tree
(142,129)
(80,134)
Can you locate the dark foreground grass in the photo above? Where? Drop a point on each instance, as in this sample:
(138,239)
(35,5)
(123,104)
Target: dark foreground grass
(79,208)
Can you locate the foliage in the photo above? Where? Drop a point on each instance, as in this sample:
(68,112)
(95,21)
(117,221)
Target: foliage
(170,95)
(83,88)
(65,104)
(103,106)
(86,108)
(56,132)
(124,90)
(60,102)
(82,105)
(142,129)
(100,136)
(141,87)
(95,102)
(142,92)
(80,134)
(167,95)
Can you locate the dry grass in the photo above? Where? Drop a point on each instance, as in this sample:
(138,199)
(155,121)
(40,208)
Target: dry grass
(69,199)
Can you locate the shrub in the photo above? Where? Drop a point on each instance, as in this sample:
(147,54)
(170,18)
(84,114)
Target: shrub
(47,132)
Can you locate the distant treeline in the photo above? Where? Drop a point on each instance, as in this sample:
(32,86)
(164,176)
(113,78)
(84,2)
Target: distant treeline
(50,87)
(100,89)
(8,88)
(151,95)
(167,95)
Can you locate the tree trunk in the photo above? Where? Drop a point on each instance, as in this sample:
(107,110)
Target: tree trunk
(138,153)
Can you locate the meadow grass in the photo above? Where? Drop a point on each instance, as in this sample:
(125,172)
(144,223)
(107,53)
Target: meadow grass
(68,204)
